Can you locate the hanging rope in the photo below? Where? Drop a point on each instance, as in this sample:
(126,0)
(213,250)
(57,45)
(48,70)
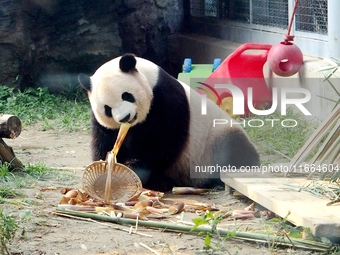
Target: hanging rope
(289,37)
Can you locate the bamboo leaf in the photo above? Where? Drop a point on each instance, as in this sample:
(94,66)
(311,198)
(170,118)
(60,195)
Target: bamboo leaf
(207,240)
(328,99)
(336,104)
(325,68)
(334,88)
(199,221)
(336,59)
(331,73)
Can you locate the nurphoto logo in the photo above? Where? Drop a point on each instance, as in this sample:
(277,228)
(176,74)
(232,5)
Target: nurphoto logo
(242,101)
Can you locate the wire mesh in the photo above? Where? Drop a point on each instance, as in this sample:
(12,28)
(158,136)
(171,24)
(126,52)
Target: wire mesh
(311,16)
(203,8)
(210,8)
(273,13)
(235,10)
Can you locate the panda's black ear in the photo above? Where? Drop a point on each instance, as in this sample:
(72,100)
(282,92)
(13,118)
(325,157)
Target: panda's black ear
(85,81)
(127,63)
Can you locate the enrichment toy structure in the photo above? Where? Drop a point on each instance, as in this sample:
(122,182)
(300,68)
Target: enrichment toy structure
(191,70)
(285,58)
(243,69)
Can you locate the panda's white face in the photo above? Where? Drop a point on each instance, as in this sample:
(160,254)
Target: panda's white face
(117,96)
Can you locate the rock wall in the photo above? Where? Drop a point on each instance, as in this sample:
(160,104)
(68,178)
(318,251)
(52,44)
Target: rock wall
(47,42)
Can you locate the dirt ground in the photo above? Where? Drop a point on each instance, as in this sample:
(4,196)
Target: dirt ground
(46,233)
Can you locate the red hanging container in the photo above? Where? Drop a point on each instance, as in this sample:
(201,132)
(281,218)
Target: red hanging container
(243,70)
(285,58)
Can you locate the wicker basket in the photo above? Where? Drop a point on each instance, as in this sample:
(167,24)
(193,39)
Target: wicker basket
(125,183)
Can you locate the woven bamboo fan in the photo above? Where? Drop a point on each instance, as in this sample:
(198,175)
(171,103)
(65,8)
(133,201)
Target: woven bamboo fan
(125,184)
(110,181)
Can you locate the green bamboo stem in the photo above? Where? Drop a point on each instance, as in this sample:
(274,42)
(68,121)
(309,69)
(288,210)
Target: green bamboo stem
(306,244)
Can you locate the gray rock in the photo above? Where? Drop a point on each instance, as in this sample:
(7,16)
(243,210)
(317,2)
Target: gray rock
(47,42)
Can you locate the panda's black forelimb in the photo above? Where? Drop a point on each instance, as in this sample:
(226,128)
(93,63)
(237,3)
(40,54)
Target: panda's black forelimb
(103,140)
(150,177)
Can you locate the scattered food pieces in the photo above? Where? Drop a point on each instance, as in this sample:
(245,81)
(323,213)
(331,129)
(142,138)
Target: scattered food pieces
(149,204)
(47,188)
(188,191)
(176,208)
(242,215)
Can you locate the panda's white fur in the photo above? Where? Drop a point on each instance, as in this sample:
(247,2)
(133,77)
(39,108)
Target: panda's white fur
(183,128)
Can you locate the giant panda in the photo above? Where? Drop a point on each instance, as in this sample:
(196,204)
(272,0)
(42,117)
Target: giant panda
(168,137)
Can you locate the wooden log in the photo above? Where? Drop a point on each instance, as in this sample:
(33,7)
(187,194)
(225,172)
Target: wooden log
(7,155)
(10,126)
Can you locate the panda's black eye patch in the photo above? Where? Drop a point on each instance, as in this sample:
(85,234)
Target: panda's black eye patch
(108,112)
(126,96)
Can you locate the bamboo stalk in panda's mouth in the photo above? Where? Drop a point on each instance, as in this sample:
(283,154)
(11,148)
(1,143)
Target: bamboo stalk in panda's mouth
(108,186)
(112,158)
(124,128)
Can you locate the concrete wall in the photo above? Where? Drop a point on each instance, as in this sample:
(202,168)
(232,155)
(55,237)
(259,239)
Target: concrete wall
(203,49)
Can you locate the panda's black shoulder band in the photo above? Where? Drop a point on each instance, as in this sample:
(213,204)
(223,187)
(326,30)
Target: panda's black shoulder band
(127,63)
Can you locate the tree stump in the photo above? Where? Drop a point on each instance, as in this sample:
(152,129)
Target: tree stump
(10,127)
(7,155)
